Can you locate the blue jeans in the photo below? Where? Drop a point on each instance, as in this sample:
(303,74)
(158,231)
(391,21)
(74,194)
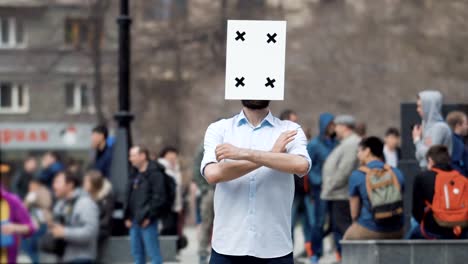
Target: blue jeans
(414,231)
(145,241)
(30,246)
(316,209)
(217,258)
(296,214)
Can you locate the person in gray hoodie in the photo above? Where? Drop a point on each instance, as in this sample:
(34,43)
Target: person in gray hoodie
(336,172)
(79,220)
(433,130)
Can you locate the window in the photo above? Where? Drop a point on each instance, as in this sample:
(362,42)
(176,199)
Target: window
(78,32)
(11,33)
(77,98)
(14,98)
(164,10)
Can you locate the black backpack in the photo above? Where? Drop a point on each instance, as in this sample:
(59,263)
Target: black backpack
(170,186)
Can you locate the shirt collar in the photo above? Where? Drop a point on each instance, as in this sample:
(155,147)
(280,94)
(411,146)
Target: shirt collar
(375,163)
(268,120)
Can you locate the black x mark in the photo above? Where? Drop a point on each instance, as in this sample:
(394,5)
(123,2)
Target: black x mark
(270,82)
(271,38)
(240,35)
(240,81)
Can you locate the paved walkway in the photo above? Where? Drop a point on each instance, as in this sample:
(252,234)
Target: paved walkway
(189,254)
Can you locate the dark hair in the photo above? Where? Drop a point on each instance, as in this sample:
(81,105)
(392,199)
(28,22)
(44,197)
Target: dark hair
(35,180)
(375,145)
(101,129)
(166,150)
(143,150)
(455,118)
(74,163)
(392,131)
(286,114)
(439,154)
(359,128)
(70,177)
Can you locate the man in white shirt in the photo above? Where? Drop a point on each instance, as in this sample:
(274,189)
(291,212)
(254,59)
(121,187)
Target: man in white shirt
(392,147)
(252,158)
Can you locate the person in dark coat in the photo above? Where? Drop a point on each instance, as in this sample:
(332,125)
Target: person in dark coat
(22,179)
(146,199)
(103,150)
(319,148)
(51,165)
(459,125)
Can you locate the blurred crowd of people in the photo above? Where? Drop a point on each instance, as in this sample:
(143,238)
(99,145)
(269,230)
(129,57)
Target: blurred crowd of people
(337,195)
(59,208)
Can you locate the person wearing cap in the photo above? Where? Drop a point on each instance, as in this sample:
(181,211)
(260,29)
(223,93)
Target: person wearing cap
(336,172)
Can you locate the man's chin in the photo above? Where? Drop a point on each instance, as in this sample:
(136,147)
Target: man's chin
(256,104)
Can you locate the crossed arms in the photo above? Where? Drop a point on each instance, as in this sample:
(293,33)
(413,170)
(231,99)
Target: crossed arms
(245,161)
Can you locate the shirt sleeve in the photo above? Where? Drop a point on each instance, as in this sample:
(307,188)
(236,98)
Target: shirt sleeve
(21,216)
(401,178)
(213,137)
(88,227)
(299,147)
(354,184)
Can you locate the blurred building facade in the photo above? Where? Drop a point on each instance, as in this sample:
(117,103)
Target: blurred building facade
(362,57)
(48,72)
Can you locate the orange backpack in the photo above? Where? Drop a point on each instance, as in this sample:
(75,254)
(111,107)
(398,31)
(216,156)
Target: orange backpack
(450,202)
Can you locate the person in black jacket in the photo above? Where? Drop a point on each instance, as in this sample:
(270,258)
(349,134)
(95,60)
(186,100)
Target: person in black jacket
(103,155)
(423,190)
(22,179)
(145,203)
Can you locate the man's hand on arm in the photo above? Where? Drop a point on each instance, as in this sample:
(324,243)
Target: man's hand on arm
(238,166)
(283,140)
(229,151)
(278,159)
(275,159)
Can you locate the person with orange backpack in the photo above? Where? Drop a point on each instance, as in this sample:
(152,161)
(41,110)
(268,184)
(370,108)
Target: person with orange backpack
(440,198)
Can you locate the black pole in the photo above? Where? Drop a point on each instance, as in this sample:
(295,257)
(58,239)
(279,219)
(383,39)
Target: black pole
(120,166)
(124,22)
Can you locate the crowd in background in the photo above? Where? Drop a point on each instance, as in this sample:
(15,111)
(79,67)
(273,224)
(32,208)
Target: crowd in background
(337,195)
(65,210)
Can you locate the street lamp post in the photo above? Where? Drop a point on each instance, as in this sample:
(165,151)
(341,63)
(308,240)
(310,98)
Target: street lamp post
(120,166)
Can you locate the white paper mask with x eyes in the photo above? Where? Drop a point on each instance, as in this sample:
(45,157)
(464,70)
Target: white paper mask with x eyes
(255,59)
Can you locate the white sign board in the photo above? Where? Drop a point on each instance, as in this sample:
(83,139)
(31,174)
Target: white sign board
(255,59)
(45,136)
